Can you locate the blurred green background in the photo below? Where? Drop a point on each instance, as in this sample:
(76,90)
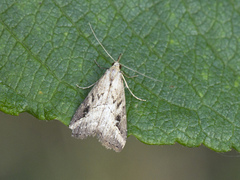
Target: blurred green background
(34,149)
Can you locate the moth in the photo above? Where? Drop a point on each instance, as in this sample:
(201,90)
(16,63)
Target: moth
(103,112)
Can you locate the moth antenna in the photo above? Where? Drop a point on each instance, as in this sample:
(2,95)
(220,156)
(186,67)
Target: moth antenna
(131,91)
(119,57)
(100,43)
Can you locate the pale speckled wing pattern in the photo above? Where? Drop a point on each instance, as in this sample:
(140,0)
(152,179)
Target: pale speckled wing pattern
(103,112)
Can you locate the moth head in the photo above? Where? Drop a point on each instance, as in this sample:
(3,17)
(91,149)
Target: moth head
(117,62)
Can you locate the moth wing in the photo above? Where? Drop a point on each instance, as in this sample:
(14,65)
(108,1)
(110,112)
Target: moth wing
(112,126)
(85,120)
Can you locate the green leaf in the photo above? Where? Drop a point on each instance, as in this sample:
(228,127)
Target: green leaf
(191,47)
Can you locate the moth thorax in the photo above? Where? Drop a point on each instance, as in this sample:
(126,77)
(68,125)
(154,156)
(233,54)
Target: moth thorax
(115,69)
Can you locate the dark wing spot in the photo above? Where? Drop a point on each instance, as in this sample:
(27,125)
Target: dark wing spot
(92,97)
(118,104)
(99,95)
(85,111)
(114,100)
(118,119)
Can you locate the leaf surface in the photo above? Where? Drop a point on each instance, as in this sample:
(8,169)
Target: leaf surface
(190,47)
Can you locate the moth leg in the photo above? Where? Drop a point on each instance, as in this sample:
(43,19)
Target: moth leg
(86,87)
(129,76)
(131,91)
